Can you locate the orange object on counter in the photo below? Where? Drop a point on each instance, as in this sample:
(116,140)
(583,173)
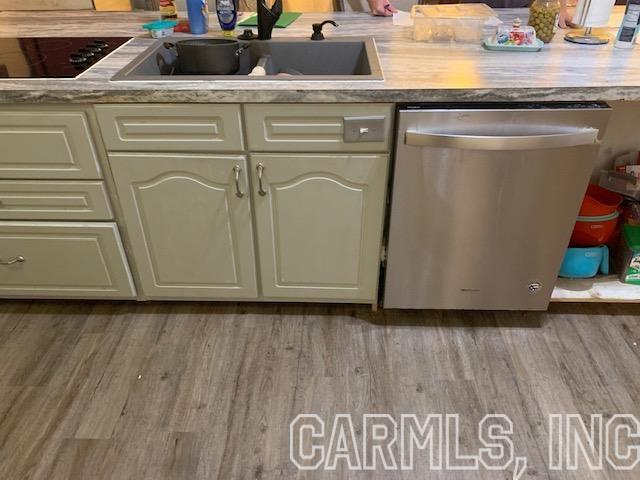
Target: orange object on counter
(183,27)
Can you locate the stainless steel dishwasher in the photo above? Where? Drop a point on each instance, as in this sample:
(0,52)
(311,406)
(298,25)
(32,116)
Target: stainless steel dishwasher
(484,201)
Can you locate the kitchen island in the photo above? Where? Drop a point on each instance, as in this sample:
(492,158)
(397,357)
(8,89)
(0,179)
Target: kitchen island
(413,71)
(169,148)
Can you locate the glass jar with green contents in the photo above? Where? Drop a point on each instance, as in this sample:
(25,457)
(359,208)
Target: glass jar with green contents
(543,16)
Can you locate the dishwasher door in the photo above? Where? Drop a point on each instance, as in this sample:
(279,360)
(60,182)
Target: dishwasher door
(484,202)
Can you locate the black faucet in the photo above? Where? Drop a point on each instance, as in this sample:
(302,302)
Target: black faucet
(267,18)
(317,29)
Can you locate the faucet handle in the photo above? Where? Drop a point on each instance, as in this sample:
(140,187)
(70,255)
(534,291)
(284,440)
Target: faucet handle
(317,29)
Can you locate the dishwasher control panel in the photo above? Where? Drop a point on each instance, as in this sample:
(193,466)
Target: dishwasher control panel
(364,129)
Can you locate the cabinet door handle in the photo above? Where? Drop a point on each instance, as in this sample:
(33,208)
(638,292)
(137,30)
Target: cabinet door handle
(18,259)
(237,170)
(260,170)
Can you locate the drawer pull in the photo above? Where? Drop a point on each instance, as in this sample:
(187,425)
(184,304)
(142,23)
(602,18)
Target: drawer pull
(260,170)
(237,170)
(18,259)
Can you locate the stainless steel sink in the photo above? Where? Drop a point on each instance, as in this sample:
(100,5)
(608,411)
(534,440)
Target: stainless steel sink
(287,59)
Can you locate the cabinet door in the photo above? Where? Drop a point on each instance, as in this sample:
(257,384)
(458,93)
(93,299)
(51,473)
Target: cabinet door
(319,225)
(189,232)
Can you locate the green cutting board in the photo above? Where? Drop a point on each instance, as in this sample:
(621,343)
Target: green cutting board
(286,19)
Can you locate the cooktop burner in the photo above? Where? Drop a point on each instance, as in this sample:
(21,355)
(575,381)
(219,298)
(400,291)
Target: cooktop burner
(63,57)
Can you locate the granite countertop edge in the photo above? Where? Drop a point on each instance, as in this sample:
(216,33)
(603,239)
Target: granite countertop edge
(548,94)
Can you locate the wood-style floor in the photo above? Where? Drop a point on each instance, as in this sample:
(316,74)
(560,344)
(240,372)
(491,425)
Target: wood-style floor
(207,391)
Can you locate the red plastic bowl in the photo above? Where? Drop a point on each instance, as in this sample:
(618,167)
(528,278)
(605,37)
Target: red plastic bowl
(599,201)
(594,231)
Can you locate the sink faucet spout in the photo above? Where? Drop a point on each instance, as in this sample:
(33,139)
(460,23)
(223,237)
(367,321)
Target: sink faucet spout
(267,18)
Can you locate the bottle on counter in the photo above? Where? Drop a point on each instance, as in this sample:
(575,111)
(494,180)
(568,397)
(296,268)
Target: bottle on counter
(198,11)
(168,9)
(227,11)
(630,24)
(544,16)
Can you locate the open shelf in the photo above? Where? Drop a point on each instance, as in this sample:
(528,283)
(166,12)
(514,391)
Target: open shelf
(603,288)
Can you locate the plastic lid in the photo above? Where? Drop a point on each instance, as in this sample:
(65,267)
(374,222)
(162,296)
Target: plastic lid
(632,236)
(471,11)
(160,24)
(599,218)
(510,28)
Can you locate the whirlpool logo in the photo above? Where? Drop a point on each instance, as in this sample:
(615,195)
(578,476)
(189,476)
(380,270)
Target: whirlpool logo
(534,287)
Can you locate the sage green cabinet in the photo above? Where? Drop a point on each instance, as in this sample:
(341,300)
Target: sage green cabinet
(47,144)
(54,200)
(188,223)
(63,259)
(171,128)
(297,216)
(319,224)
(313,127)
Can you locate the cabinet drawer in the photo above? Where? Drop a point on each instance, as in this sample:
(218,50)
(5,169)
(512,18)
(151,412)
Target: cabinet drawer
(46,259)
(162,128)
(46,144)
(313,128)
(53,200)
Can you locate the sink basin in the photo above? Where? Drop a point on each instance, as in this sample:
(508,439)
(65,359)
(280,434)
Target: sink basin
(346,58)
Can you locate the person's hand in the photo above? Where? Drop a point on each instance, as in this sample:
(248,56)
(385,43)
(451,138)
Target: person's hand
(381,8)
(565,19)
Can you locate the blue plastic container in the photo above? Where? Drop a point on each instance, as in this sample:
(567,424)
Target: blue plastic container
(585,262)
(160,28)
(198,11)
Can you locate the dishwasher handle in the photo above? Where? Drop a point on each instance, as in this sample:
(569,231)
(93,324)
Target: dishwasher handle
(585,136)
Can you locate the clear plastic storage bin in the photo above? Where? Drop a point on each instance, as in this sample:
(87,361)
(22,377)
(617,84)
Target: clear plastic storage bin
(622,183)
(450,23)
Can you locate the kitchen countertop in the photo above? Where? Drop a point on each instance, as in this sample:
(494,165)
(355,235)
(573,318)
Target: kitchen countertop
(413,71)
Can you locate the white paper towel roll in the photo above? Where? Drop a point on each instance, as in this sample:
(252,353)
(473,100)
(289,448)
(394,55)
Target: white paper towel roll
(593,13)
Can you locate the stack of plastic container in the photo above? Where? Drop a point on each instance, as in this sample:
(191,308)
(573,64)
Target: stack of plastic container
(595,228)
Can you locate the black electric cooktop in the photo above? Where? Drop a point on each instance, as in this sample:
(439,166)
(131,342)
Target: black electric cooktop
(59,57)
